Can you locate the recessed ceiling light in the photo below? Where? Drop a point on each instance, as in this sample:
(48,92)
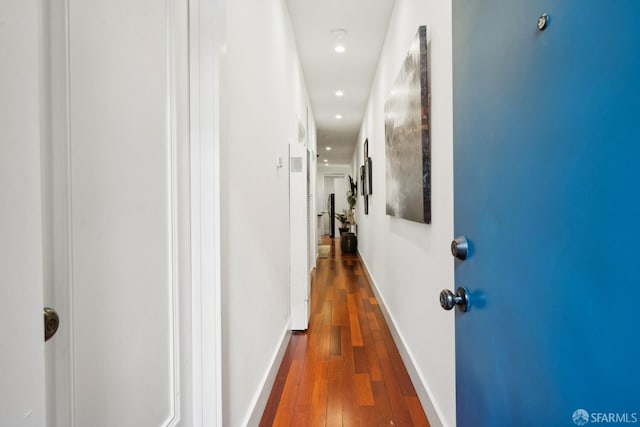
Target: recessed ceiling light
(325,160)
(339,35)
(339,93)
(338,116)
(328,148)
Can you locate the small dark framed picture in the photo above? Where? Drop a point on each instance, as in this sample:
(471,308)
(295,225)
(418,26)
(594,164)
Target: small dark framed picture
(366,149)
(362,180)
(369,175)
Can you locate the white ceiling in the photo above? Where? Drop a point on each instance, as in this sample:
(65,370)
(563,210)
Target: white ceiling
(326,71)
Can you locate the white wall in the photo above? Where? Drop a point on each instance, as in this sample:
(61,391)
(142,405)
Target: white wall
(410,262)
(260,109)
(337,178)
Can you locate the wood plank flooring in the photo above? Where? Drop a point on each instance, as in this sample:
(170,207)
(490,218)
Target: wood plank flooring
(345,370)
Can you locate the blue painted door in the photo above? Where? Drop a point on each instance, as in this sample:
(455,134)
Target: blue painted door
(547,177)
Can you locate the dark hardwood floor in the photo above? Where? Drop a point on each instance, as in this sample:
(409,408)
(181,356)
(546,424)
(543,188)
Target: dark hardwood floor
(345,370)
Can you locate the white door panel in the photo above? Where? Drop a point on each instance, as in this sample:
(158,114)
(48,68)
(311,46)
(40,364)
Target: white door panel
(95,175)
(298,227)
(123,216)
(22,396)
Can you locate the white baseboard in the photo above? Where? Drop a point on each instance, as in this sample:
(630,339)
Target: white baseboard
(422,390)
(260,401)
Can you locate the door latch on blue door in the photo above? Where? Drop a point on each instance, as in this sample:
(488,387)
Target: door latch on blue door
(460,248)
(448,299)
(543,22)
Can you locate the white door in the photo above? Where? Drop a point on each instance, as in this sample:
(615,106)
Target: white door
(95,164)
(22,396)
(299,235)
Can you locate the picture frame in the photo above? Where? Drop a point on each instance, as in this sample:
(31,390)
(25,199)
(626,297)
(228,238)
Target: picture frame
(353,186)
(366,177)
(369,175)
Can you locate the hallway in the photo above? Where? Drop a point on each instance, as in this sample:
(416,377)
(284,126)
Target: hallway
(346,370)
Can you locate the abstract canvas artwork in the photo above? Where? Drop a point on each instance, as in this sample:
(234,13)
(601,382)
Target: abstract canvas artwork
(407,137)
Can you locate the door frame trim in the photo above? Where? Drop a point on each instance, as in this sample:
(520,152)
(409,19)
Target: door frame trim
(205,37)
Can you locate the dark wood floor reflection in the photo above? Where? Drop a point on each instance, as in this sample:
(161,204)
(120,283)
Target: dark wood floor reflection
(346,370)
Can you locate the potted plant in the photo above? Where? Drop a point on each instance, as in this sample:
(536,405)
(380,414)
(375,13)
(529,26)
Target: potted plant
(351,199)
(344,220)
(349,241)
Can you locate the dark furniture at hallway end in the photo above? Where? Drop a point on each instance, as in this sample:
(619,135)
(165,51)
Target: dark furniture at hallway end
(349,243)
